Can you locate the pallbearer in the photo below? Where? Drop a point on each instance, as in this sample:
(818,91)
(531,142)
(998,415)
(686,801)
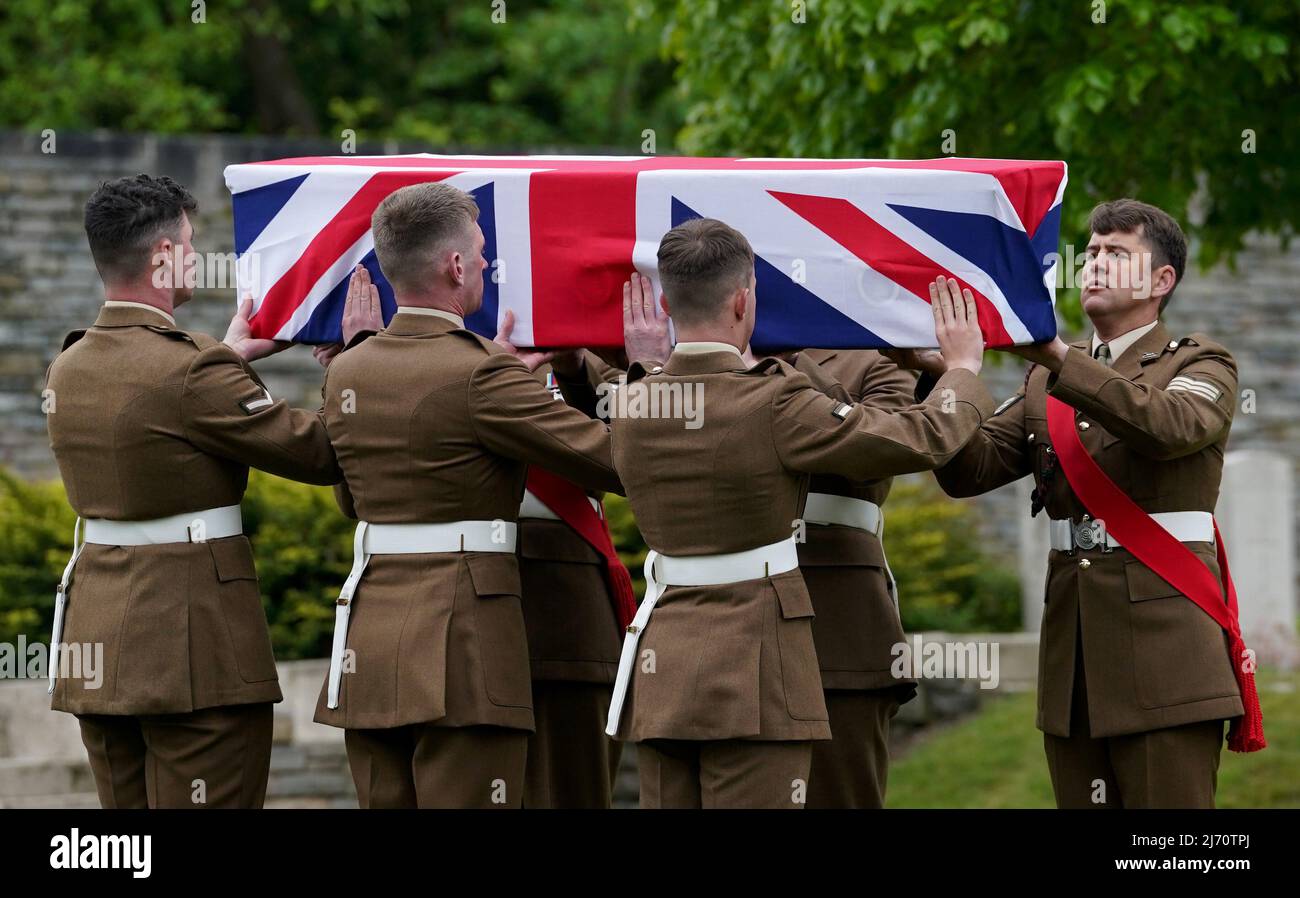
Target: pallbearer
(1140,658)
(577,600)
(854,595)
(434,427)
(154,429)
(721,681)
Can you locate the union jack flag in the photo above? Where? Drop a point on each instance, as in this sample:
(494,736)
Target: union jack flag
(845,248)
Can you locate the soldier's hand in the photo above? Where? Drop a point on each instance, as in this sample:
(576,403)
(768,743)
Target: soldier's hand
(533,358)
(239,336)
(957,326)
(1051,355)
(570,364)
(362,310)
(929,361)
(645,326)
(326,352)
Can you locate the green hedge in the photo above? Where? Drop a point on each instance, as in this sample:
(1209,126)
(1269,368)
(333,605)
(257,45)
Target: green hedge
(303,547)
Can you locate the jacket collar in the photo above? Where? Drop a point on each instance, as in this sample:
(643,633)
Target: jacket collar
(690,363)
(1123,342)
(133,314)
(421,323)
(1149,347)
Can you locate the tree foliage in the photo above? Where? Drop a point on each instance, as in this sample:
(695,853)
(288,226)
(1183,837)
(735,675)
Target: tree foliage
(1160,100)
(553,72)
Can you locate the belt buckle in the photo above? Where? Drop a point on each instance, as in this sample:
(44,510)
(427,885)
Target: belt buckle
(1090,534)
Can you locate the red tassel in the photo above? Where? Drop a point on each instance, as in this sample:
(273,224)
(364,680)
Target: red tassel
(1246,734)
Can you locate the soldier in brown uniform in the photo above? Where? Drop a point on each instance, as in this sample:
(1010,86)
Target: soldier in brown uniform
(725,698)
(154,429)
(853,595)
(434,427)
(571,618)
(574,617)
(1134,680)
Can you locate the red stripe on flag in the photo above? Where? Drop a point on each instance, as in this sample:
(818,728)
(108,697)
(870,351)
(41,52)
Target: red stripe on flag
(582,234)
(343,230)
(880,248)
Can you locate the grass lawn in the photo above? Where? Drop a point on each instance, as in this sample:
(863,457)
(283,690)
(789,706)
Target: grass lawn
(995,759)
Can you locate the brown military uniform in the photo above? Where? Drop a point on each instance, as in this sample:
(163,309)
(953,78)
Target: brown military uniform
(857,622)
(432,423)
(735,670)
(573,648)
(1134,680)
(150,421)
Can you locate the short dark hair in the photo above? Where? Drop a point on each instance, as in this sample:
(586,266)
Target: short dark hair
(1154,225)
(413,223)
(701,262)
(125,217)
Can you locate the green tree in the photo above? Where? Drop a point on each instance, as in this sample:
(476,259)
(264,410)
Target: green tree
(1160,101)
(556,72)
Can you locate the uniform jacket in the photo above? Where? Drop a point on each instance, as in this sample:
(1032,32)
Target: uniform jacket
(1151,658)
(737,661)
(573,632)
(432,423)
(150,421)
(857,622)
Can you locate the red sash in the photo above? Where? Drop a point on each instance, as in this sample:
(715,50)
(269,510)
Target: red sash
(1155,547)
(570,502)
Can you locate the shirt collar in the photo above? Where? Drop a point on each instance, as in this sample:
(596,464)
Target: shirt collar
(703,346)
(125,304)
(1123,341)
(436,313)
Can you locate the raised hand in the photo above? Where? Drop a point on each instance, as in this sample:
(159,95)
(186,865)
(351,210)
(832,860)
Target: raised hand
(239,335)
(956,324)
(325,353)
(533,358)
(645,326)
(928,360)
(361,307)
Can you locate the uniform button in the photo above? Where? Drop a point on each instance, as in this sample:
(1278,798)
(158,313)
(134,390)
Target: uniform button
(1085,563)
(1173,344)
(1084,425)
(656,369)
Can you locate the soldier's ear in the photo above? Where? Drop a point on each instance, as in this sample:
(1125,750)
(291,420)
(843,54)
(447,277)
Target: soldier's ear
(1163,280)
(740,303)
(663,304)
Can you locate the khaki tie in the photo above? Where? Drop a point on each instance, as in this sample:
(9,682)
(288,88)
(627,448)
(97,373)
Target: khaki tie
(1103,354)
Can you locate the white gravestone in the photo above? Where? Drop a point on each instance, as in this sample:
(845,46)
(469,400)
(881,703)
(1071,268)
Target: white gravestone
(1256,516)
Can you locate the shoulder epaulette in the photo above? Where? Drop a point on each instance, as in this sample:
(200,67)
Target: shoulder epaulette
(72,337)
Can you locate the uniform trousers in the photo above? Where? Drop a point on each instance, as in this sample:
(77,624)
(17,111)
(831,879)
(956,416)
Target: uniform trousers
(730,773)
(850,769)
(571,762)
(1174,767)
(426,766)
(211,758)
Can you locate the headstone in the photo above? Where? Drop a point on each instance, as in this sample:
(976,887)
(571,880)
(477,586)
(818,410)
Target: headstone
(1256,517)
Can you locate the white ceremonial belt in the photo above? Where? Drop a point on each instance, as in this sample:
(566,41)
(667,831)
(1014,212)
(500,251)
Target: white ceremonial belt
(406,539)
(827,508)
(662,571)
(533,507)
(1185,526)
(190,527)
(846,511)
